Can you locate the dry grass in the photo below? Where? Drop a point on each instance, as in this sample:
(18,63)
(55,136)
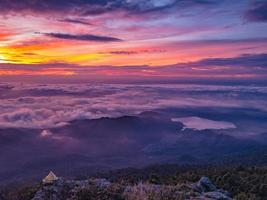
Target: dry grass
(156,192)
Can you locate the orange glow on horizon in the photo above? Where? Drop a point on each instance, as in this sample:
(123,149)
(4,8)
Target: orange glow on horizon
(39,72)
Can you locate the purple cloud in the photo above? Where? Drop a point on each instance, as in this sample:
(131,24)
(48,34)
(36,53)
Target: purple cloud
(246,60)
(96,7)
(257,12)
(75,21)
(83,37)
(43,110)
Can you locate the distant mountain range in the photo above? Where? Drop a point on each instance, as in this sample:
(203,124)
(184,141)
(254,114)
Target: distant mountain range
(89,146)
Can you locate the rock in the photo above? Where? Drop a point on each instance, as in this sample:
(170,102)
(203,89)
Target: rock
(208,191)
(51,191)
(217,196)
(62,189)
(205,185)
(102,183)
(224,192)
(50,178)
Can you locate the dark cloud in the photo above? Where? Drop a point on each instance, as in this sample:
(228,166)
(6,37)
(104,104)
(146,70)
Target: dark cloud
(159,6)
(257,12)
(75,21)
(135,52)
(48,5)
(83,37)
(123,52)
(245,60)
(95,7)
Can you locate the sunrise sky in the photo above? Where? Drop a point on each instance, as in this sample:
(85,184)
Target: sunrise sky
(145,38)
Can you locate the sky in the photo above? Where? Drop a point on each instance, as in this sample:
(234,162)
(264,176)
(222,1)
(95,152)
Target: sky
(134,38)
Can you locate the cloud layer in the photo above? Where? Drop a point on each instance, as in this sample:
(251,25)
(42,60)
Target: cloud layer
(93,7)
(197,123)
(46,106)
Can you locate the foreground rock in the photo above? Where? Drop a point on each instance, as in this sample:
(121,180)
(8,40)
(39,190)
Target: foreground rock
(50,178)
(102,189)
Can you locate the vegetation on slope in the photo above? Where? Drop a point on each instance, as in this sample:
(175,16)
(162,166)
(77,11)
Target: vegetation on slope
(244,183)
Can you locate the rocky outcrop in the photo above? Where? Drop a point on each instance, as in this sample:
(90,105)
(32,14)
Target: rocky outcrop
(99,189)
(50,178)
(208,190)
(61,189)
(52,191)
(205,184)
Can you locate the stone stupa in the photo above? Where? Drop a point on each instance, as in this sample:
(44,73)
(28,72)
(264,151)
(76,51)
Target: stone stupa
(50,178)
